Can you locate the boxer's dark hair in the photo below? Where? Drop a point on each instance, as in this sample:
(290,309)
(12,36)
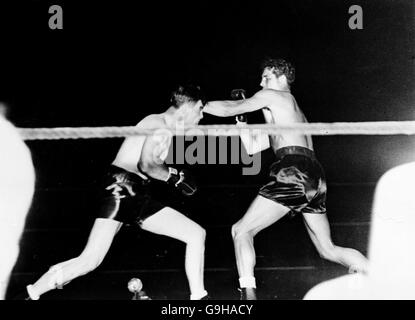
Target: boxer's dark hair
(187,93)
(280,67)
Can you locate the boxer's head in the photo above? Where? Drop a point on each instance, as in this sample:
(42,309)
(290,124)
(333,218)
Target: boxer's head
(189,101)
(277,74)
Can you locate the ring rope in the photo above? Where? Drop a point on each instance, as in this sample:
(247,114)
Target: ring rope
(319,129)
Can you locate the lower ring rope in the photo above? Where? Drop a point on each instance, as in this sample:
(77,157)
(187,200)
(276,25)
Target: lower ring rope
(319,129)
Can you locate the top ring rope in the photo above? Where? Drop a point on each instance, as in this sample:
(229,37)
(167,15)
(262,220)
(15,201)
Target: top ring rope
(320,129)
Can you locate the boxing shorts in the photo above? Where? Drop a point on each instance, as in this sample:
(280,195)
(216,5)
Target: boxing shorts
(297,181)
(125,197)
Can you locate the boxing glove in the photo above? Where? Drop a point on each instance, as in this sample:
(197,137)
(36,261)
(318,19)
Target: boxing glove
(238,94)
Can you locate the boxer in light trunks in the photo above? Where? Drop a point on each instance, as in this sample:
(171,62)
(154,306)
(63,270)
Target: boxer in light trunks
(17,184)
(125,199)
(296,179)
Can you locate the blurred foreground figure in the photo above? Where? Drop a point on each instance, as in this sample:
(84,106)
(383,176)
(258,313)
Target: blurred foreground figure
(391,248)
(17,181)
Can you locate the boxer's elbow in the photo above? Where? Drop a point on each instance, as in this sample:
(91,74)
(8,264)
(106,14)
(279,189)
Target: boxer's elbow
(155,171)
(147,167)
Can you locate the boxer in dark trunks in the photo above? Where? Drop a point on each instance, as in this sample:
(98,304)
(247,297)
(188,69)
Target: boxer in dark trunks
(297,183)
(125,199)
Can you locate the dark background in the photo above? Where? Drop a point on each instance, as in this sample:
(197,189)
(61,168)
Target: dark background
(115,62)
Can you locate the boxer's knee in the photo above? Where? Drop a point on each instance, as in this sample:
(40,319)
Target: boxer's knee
(329,251)
(234,230)
(239,232)
(90,262)
(63,273)
(196,236)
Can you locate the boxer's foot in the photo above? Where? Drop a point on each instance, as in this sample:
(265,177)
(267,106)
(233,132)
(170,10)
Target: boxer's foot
(247,294)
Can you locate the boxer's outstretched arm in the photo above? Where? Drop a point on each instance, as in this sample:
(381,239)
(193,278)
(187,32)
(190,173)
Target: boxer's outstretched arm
(228,108)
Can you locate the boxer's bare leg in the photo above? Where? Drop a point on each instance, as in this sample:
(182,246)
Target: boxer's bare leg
(99,242)
(261,214)
(171,223)
(319,230)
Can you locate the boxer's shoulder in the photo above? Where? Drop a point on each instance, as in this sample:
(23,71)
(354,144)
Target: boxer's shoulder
(152,120)
(277,94)
(275,98)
